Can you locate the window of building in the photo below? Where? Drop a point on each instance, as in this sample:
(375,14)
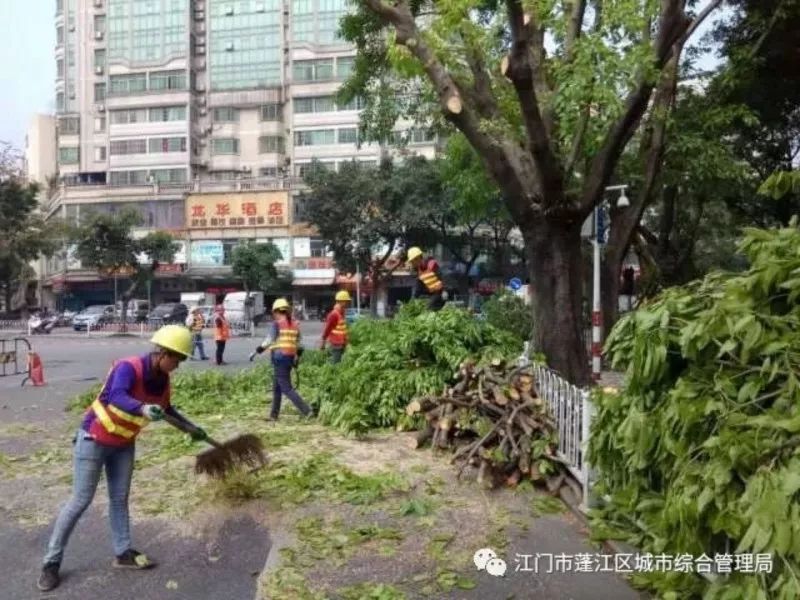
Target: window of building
(318,104)
(137,177)
(59,7)
(271,112)
(225,175)
(268,171)
(348,136)
(99,124)
(167,144)
(99,153)
(122,85)
(100,58)
(60,102)
(315,137)
(119,147)
(100,23)
(168,175)
(168,80)
(313,70)
(69,126)
(303,169)
(99,92)
(224,146)
(69,155)
(226,114)
(319,248)
(270,144)
(344,66)
(60,68)
(124,117)
(71,89)
(60,35)
(71,56)
(356,103)
(167,113)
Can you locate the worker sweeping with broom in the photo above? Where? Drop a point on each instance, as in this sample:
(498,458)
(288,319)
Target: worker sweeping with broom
(136,392)
(283,342)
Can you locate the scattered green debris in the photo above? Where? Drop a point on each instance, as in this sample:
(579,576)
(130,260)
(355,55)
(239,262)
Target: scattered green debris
(416,507)
(370,591)
(547,505)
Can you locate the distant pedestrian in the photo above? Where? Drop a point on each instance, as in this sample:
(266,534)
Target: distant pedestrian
(195,322)
(222,332)
(429,279)
(335,332)
(283,343)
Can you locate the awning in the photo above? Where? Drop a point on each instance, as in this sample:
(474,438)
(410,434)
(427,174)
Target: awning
(313,277)
(313,281)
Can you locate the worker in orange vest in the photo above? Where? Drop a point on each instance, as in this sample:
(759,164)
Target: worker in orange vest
(335,332)
(283,343)
(136,392)
(222,332)
(429,279)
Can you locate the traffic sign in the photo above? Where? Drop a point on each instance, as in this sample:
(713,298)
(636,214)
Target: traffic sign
(515,283)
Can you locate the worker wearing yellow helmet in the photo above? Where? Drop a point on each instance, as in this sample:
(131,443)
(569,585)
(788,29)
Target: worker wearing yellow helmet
(335,331)
(136,392)
(283,343)
(429,278)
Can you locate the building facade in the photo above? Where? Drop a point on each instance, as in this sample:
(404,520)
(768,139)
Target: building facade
(203,115)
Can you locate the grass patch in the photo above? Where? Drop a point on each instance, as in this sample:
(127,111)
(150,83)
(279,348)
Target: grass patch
(289,583)
(415,507)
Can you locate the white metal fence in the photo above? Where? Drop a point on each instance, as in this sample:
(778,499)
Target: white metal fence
(572,409)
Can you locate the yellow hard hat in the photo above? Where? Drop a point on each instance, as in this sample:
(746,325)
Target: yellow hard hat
(414,252)
(342,296)
(280,304)
(174,338)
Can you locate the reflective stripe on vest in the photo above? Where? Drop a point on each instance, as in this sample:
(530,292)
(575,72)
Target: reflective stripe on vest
(112,425)
(198,323)
(429,279)
(338,335)
(288,334)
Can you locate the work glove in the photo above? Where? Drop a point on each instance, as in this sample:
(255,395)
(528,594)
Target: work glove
(252,356)
(445,295)
(198,434)
(153,412)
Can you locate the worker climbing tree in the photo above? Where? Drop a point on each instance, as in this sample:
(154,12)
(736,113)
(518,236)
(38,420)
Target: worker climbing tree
(429,279)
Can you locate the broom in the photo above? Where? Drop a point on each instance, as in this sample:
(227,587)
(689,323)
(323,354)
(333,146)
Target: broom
(247,450)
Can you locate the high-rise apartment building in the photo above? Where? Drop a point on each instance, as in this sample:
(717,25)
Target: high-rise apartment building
(203,114)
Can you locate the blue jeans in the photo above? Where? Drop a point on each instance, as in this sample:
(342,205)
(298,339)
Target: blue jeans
(89,460)
(197,341)
(282,384)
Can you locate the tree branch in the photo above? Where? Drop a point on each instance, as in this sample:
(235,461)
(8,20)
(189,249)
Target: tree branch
(698,20)
(521,72)
(574,27)
(503,159)
(673,25)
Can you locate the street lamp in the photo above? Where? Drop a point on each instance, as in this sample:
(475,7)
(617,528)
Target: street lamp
(597,312)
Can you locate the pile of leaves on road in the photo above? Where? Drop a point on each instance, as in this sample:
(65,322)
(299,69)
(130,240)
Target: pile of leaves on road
(209,392)
(700,454)
(390,362)
(492,418)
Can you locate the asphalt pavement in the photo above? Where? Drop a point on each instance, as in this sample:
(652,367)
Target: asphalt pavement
(220,563)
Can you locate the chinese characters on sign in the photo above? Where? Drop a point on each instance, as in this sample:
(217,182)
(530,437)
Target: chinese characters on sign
(259,209)
(643,563)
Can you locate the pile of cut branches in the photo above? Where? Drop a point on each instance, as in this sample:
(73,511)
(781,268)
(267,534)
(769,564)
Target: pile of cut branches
(493,419)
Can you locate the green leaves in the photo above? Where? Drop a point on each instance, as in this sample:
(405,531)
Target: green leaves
(254,264)
(698,453)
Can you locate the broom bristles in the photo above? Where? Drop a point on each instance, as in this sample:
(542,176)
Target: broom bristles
(245,450)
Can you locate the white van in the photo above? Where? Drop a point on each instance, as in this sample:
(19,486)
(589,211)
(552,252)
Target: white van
(137,310)
(201,299)
(234,304)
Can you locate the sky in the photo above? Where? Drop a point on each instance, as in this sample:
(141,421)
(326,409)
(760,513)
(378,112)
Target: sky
(27,65)
(28,69)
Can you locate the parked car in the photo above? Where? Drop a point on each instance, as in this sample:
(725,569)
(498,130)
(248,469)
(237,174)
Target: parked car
(137,310)
(93,316)
(170,312)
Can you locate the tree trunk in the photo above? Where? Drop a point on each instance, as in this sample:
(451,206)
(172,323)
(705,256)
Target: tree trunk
(555,267)
(610,269)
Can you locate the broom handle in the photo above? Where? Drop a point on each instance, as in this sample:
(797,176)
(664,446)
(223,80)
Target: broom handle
(187,428)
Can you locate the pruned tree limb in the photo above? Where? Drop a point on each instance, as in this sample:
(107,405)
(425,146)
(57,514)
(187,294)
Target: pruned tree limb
(574,27)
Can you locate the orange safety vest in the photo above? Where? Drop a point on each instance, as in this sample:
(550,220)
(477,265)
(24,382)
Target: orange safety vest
(428,277)
(288,335)
(112,425)
(222,333)
(338,336)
